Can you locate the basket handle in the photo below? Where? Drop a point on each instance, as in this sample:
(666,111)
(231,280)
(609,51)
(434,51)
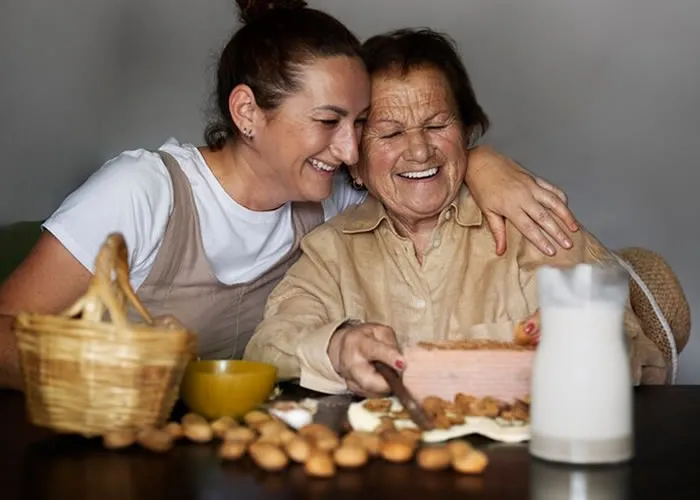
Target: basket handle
(110,287)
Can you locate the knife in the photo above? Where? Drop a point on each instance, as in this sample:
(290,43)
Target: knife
(332,411)
(419,416)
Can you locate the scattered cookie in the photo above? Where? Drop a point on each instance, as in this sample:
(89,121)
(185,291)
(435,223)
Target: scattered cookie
(377,405)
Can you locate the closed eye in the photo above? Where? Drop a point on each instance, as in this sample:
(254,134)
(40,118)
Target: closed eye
(390,135)
(329,123)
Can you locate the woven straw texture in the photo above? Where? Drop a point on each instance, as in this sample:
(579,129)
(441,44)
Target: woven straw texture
(668,293)
(89,371)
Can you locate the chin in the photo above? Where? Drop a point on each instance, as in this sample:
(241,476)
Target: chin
(316,195)
(429,211)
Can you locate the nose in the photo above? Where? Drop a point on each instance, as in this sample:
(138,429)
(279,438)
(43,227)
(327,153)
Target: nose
(418,149)
(345,147)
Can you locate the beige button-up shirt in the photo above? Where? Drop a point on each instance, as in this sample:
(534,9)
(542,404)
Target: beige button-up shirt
(356,266)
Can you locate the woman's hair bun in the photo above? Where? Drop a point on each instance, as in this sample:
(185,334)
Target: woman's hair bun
(250,10)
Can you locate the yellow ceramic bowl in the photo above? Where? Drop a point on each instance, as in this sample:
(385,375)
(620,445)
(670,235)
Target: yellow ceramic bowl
(226,387)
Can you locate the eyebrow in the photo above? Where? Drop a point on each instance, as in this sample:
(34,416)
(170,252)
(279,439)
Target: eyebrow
(386,119)
(435,115)
(337,109)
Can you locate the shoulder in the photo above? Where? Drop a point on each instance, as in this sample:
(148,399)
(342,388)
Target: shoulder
(324,238)
(131,188)
(131,175)
(327,244)
(337,226)
(130,194)
(334,244)
(585,247)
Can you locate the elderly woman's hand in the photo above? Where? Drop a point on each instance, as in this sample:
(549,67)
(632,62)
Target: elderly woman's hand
(352,350)
(527,332)
(505,190)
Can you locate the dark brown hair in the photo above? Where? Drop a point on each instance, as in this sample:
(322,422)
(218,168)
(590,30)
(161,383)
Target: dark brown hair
(407,49)
(268,54)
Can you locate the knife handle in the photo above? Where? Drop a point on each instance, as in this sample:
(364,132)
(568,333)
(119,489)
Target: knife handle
(392,379)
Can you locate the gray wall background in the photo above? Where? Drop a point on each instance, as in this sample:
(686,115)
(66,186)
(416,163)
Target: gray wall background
(600,97)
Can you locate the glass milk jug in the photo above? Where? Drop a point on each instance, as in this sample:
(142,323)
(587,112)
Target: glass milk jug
(581,409)
(549,481)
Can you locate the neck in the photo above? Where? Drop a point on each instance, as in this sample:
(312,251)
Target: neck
(245,178)
(418,231)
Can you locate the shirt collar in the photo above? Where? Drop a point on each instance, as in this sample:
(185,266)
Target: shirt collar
(371,213)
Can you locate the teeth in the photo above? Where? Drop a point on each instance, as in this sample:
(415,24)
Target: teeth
(420,175)
(321,165)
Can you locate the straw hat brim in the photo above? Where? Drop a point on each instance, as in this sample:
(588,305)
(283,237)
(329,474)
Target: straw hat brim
(666,289)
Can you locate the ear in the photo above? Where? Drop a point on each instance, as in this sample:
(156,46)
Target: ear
(243,109)
(357,172)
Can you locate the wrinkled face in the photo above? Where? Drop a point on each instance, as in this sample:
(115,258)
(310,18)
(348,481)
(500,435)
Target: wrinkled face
(414,151)
(314,131)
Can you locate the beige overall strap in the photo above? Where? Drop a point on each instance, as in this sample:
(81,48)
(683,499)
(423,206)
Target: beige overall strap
(182,230)
(306,217)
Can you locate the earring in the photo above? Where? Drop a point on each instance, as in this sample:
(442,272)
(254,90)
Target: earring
(248,134)
(357,185)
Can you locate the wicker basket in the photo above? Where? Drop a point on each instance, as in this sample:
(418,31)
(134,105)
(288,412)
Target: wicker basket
(88,372)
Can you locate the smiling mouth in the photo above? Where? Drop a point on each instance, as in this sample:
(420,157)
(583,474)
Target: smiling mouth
(420,175)
(322,166)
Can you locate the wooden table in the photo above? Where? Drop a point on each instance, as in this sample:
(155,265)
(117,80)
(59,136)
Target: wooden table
(35,464)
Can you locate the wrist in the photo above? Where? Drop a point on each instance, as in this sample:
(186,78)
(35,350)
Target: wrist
(336,341)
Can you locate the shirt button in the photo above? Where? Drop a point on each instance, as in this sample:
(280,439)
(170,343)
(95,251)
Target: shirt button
(448,215)
(420,303)
(436,243)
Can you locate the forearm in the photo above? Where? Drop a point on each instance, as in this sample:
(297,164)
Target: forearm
(10,372)
(482,155)
(478,158)
(267,346)
(298,351)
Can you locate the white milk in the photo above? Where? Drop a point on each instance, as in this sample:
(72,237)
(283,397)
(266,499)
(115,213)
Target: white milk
(581,384)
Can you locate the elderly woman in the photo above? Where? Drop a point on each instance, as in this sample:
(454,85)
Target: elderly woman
(415,261)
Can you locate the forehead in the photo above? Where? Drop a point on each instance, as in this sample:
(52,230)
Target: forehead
(421,90)
(334,81)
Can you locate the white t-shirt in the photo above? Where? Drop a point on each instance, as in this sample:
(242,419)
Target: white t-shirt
(133,194)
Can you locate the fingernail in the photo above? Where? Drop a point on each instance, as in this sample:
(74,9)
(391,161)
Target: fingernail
(529,327)
(399,364)
(550,250)
(567,243)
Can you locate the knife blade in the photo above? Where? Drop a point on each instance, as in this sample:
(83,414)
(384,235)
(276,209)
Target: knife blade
(332,411)
(419,416)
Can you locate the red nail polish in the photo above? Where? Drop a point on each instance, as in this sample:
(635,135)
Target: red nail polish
(529,327)
(399,364)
